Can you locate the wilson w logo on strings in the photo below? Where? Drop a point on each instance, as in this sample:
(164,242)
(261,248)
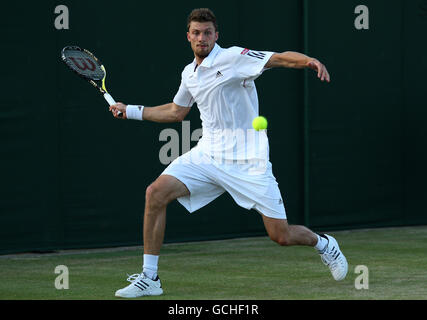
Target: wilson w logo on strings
(82,65)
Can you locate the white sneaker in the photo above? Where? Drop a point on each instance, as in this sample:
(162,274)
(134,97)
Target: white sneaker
(334,259)
(140,286)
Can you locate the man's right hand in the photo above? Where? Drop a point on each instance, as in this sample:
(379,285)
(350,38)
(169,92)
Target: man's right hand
(118,107)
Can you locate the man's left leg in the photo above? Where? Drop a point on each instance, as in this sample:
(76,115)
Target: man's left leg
(290,235)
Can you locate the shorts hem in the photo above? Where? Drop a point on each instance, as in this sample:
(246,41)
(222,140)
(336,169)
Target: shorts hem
(270,213)
(186,200)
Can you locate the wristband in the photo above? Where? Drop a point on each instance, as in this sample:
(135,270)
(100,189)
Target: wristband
(134,112)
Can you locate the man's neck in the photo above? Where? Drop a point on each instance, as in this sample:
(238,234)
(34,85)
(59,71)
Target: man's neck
(199,60)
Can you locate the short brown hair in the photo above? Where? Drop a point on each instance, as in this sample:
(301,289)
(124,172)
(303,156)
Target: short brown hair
(202,15)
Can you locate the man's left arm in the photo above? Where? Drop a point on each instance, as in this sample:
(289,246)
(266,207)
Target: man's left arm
(296,60)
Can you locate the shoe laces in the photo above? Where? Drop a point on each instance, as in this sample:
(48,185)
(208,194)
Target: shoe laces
(135,277)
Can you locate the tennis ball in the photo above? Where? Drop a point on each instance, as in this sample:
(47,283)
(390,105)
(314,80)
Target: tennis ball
(259,123)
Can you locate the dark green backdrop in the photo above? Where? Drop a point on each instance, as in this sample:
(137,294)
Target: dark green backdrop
(348,154)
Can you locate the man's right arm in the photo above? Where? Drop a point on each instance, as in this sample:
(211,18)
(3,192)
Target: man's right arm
(166,113)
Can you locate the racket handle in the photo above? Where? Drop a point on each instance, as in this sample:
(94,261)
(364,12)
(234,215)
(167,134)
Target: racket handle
(111,101)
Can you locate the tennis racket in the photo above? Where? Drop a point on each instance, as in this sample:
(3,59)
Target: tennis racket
(88,67)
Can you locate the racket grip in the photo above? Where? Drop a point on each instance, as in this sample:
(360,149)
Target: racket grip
(111,101)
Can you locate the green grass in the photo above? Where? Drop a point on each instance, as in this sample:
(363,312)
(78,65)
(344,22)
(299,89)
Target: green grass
(249,268)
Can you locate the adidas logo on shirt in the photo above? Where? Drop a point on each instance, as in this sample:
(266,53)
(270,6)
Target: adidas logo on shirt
(218,74)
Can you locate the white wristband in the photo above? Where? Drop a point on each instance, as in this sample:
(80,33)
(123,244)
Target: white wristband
(134,112)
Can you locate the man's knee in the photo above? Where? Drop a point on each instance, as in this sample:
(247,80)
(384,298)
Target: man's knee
(154,196)
(278,230)
(282,240)
(164,190)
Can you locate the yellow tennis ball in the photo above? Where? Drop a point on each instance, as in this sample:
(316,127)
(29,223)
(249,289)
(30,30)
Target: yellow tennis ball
(259,123)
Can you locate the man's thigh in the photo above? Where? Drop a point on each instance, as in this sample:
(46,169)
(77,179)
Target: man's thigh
(196,171)
(258,191)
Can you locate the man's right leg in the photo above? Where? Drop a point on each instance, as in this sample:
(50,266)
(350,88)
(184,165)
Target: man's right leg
(158,195)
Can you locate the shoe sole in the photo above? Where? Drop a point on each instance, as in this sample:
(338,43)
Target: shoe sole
(152,293)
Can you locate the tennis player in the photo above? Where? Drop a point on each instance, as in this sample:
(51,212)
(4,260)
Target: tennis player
(230,156)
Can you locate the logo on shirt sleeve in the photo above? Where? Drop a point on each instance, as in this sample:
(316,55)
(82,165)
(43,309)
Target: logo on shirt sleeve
(254,54)
(244,51)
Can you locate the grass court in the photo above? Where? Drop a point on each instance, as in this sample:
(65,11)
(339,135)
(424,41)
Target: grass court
(235,269)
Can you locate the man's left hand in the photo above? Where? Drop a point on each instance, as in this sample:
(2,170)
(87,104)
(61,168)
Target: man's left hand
(322,73)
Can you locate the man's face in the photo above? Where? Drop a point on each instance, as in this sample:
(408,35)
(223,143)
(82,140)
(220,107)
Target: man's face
(202,37)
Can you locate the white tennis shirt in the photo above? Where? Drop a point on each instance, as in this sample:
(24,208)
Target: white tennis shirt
(224,89)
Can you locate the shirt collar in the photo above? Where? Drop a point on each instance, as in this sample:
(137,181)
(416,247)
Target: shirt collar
(208,61)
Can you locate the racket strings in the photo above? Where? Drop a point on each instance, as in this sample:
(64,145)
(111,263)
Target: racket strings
(84,64)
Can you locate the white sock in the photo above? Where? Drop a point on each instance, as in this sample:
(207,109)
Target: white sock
(150,266)
(321,245)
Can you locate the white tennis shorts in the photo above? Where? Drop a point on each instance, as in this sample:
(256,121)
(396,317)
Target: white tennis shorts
(251,185)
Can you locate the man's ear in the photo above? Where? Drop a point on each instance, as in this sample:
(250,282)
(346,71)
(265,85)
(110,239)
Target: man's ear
(188,36)
(216,36)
